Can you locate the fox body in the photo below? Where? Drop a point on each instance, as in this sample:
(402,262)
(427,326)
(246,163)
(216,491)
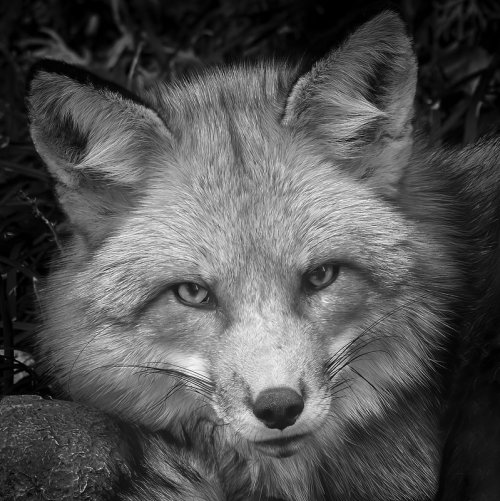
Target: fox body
(263,272)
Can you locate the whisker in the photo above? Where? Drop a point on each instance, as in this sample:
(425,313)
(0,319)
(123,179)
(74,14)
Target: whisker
(186,378)
(344,356)
(364,379)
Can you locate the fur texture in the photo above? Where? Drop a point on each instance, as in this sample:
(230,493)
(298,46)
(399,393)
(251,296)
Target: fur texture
(245,181)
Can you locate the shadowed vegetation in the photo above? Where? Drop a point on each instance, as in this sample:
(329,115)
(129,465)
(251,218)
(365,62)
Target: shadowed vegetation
(134,42)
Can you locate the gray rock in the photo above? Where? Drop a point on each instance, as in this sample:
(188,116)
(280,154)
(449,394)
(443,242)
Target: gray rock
(57,450)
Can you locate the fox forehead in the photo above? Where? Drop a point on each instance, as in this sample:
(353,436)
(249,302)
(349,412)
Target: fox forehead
(237,189)
(241,95)
(231,156)
(285,213)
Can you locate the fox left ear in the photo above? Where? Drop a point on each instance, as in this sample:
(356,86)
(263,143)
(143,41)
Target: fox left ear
(98,141)
(358,100)
(83,126)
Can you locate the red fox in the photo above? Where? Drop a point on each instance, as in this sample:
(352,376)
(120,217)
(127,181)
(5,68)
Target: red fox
(264,271)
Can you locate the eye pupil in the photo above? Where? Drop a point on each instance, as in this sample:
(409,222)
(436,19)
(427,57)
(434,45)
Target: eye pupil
(191,293)
(320,273)
(322,276)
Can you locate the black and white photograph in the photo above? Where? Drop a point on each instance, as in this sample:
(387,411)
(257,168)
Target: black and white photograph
(249,250)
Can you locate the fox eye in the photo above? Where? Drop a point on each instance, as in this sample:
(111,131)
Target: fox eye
(322,276)
(192,294)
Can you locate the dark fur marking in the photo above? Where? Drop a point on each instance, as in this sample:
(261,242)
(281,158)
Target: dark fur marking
(378,83)
(234,136)
(71,141)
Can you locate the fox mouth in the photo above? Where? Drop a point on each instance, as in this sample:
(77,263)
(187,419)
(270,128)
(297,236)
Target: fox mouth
(280,447)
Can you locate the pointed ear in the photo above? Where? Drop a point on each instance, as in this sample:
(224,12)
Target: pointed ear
(358,100)
(96,139)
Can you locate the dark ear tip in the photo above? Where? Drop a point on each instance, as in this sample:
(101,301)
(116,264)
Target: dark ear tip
(78,74)
(49,66)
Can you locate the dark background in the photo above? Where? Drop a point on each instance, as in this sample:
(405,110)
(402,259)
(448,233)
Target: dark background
(135,41)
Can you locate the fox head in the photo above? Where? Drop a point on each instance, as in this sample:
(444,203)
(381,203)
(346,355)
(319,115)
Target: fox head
(246,245)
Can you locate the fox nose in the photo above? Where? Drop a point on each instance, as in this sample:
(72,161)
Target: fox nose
(278,407)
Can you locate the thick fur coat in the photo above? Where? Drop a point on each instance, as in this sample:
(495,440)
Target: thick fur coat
(265,272)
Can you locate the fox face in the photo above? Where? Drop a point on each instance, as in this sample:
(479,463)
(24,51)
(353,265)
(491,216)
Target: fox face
(251,247)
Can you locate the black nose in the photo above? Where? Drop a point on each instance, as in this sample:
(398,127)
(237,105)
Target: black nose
(278,407)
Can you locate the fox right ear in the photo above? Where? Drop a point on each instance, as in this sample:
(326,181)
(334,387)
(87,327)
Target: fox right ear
(358,100)
(96,139)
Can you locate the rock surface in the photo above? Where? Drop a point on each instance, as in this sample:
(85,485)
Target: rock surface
(57,450)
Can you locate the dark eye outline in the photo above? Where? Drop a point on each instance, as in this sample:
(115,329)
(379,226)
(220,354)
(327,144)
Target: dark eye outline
(206,302)
(332,272)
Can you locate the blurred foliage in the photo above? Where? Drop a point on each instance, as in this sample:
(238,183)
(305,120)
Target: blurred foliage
(136,41)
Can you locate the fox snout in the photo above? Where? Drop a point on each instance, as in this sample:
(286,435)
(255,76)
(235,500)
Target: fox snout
(279,407)
(274,388)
